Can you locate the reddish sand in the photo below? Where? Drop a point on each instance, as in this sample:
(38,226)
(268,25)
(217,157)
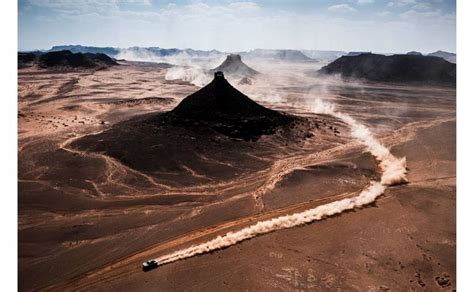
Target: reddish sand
(88,220)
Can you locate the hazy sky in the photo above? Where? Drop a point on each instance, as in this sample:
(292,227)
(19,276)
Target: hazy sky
(389,26)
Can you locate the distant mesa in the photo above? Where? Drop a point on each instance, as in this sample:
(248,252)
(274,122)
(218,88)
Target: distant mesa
(233,66)
(75,60)
(323,55)
(292,55)
(226,110)
(277,55)
(396,68)
(414,53)
(65,59)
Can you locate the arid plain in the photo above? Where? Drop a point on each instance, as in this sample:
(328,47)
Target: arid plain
(89,216)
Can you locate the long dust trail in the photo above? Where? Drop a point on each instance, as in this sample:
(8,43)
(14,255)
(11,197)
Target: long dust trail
(393,172)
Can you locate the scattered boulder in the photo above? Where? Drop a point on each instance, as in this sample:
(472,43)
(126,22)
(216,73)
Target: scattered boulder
(443,280)
(245,81)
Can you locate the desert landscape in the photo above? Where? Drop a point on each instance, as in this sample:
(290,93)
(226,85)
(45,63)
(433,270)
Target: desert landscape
(124,161)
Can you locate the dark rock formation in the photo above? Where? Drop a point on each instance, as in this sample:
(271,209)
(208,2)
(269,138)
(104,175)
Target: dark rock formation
(26,58)
(67,59)
(234,67)
(396,68)
(212,131)
(226,110)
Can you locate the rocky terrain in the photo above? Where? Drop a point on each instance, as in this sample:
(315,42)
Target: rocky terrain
(111,174)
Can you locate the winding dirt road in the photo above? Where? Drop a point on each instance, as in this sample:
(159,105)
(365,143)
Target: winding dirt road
(132,264)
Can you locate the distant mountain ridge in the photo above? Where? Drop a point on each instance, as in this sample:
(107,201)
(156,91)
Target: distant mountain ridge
(143,52)
(450,57)
(114,52)
(289,55)
(110,51)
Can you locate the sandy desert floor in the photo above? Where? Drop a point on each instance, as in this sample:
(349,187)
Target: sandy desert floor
(88,220)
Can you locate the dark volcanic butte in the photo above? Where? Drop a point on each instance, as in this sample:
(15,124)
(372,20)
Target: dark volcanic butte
(228,111)
(396,68)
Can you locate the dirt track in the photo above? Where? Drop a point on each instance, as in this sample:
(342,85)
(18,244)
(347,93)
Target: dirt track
(132,264)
